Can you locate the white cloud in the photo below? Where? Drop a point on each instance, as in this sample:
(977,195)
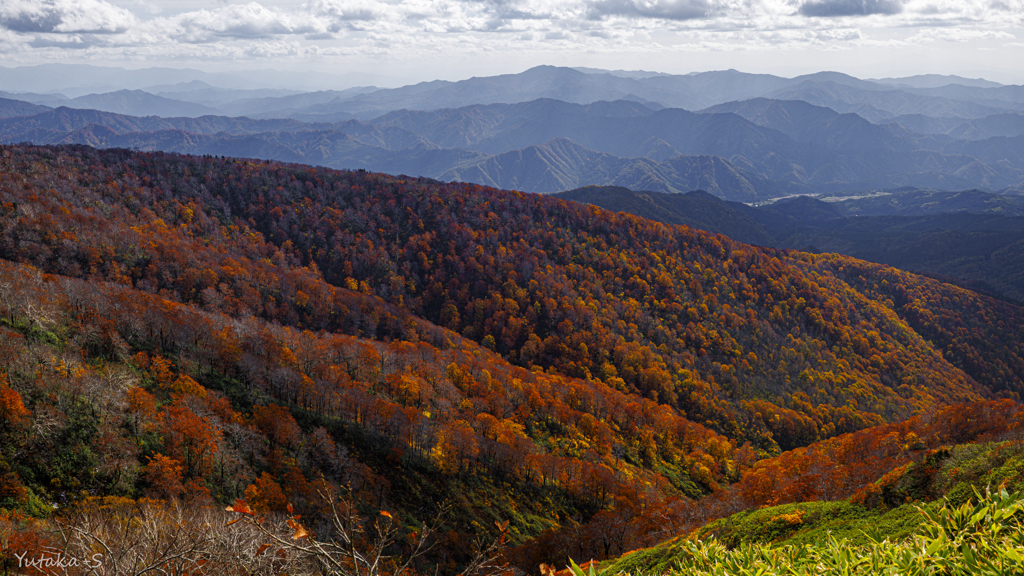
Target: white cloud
(832,8)
(240,21)
(335,15)
(551,31)
(668,9)
(957,35)
(64,16)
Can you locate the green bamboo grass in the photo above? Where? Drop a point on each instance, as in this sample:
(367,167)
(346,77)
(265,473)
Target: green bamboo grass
(982,537)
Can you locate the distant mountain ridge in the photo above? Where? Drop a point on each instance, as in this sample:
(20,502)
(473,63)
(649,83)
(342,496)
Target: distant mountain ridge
(140,103)
(14,108)
(549,129)
(937,81)
(876,100)
(561,164)
(876,105)
(745,151)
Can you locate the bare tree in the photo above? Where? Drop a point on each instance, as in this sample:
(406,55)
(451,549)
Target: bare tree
(129,538)
(121,537)
(363,547)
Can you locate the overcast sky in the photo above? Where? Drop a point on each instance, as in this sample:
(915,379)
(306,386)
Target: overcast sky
(455,39)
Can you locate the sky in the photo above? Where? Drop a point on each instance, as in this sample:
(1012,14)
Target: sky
(400,42)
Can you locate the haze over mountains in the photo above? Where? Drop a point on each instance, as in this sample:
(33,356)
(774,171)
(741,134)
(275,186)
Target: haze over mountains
(743,137)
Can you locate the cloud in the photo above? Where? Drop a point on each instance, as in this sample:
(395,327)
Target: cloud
(1006,5)
(668,9)
(238,21)
(831,8)
(953,34)
(343,10)
(64,16)
(560,31)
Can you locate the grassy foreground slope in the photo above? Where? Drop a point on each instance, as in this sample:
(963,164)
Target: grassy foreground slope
(981,538)
(956,510)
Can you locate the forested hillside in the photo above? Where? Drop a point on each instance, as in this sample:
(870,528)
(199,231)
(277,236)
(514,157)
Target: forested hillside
(229,328)
(970,238)
(692,320)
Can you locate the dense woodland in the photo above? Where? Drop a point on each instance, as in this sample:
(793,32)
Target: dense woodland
(214,329)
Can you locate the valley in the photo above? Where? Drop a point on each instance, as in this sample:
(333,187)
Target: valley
(655,321)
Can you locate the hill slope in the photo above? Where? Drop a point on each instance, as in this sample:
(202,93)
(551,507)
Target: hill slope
(212,328)
(696,209)
(759,344)
(969,237)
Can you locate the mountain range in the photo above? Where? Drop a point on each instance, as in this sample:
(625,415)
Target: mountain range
(743,150)
(749,138)
(875,100)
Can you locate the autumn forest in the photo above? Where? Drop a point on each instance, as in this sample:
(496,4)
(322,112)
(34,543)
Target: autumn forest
(459,376)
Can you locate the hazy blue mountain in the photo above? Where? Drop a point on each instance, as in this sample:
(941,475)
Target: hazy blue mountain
(12,108)
(562,164)
(709,88)
(838,78)
(825,127)
(355,145)
(338,149)
(996,151)
(923,169)
(1010,124)
(915,202)
(79,79)
(51,100)
(500,127)
(784,146)
(331,148)
(847,98)
(723,135)
(691,91)
(837,151)
(551,82)
(936,81)
(1007,97)
(797,119)
(62,120)
(635,74)
(1004,124)
(927,124)
(48,77)
(190,87)
(874,100)
(623,129)
(140,103)
(200,92)
(291,105)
